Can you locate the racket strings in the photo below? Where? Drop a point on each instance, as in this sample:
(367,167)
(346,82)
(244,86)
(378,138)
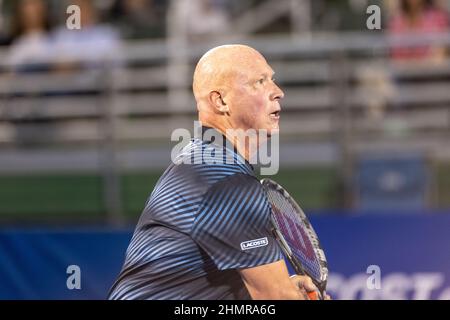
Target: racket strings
(298,237)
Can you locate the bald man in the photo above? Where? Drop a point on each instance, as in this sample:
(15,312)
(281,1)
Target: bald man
(205,231)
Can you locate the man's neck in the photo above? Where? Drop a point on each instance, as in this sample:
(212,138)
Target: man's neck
(246,145)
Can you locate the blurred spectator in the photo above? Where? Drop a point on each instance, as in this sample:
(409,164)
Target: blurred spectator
(4,39)
(30,51)
(419,17)
(88,46)
(140,19)
(31,44)
(206,18)
(376,90)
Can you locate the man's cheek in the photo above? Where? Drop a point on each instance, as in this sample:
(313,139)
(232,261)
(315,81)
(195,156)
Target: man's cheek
(260,107)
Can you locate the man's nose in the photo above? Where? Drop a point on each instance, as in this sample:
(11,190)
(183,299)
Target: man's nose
(277,94)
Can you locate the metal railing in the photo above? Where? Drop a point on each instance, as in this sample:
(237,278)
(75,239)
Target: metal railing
(341,89)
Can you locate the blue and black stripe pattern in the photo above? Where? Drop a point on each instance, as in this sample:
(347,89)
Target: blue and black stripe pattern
(201,223)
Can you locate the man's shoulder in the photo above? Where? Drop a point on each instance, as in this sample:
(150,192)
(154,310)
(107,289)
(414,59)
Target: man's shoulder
(209,160)
(238,183)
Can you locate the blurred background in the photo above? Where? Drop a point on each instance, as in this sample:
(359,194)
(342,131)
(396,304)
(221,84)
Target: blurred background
(86,117)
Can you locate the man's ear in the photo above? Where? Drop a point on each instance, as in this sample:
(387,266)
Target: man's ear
(216,100)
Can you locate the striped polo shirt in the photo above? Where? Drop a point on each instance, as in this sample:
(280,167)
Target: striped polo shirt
(207,217)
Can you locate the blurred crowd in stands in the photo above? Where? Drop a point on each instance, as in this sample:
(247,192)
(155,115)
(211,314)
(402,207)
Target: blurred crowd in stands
(34,33)
(36,30)
(419,17)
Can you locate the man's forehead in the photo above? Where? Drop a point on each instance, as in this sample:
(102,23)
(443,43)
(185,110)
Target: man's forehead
(256,69)
(269,73)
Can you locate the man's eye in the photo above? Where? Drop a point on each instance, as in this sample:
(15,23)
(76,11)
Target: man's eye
(261,81)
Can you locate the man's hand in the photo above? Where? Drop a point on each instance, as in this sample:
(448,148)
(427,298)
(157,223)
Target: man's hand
(272,282)
(307,287)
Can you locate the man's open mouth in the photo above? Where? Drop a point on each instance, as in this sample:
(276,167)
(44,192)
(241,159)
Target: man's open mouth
(275,114)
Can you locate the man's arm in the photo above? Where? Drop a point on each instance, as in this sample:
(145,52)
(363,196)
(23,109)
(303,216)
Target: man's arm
(271,282)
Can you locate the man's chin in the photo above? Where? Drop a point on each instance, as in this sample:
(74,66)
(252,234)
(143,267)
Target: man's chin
(273,131)
(269,132)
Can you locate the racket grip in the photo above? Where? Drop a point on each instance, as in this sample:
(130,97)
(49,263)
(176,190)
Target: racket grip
(313,295)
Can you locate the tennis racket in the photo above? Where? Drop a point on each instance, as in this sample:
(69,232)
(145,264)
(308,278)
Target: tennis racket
(296,236)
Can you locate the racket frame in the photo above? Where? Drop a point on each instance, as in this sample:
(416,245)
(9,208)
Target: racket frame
(296,264)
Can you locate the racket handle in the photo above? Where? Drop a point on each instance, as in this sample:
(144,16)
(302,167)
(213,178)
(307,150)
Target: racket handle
(313,295)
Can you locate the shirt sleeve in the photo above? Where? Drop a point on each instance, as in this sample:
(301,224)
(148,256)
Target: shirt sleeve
(233,224)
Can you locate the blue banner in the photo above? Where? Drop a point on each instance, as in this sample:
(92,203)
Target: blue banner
(411,253)
(37,264)
(369,256)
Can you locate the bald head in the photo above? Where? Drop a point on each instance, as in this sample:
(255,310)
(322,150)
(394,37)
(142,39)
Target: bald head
(220,66)
(235,89)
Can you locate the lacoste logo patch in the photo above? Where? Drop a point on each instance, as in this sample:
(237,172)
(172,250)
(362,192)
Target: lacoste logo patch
(251,244)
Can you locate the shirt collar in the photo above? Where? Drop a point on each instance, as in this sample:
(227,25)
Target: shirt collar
(225,142)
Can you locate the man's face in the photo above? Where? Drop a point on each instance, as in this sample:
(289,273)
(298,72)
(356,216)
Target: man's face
(254,97)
